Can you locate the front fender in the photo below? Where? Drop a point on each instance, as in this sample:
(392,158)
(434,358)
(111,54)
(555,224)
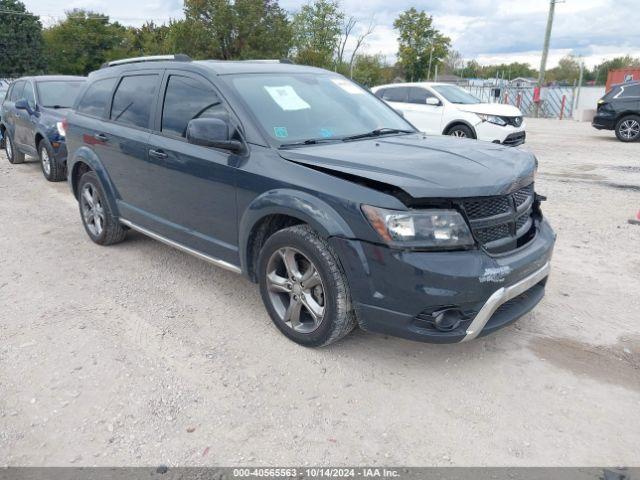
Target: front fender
(87,156)
(309,209)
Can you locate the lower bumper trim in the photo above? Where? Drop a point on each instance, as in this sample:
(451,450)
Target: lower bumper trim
(502,296)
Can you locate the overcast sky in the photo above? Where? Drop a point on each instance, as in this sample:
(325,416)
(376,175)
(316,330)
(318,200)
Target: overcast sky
(490,31)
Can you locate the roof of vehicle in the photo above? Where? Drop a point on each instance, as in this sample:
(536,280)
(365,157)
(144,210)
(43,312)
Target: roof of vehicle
(217,67)
(57,78)
(411,84)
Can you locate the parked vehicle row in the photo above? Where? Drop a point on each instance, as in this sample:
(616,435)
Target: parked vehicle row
(31,121)
(619,110)
(311,186)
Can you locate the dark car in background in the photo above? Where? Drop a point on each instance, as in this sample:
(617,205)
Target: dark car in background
(4,86)
(619,110)
(317,190)
(31,119)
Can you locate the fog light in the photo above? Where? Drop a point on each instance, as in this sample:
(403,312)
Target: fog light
(448,319)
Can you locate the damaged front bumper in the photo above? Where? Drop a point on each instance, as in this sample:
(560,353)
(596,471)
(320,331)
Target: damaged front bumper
(444,297)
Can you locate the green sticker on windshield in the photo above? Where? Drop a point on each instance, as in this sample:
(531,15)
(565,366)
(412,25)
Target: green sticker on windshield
(280,132)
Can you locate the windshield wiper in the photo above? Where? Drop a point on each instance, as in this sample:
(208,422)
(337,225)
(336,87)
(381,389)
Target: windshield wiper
(310,141)
(377,132)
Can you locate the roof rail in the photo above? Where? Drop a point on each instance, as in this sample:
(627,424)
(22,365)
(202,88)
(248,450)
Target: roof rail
(282,60)
(179,57)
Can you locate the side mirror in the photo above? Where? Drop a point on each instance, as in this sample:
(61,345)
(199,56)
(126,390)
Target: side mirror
(399,112)
(433,101)
(212,132)
(22,104)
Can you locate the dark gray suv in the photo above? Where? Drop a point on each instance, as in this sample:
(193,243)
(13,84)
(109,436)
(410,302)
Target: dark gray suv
(314,188)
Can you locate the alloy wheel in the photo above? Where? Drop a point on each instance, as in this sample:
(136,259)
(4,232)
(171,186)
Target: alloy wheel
(92,209)
(46,161)
(458,133)
(295,289)
(630,129)
(9,148)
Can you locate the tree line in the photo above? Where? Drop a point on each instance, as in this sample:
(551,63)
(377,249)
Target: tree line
(318,34)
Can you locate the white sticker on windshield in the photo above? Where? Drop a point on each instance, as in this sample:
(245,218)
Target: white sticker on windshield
(287,98)
(348,86)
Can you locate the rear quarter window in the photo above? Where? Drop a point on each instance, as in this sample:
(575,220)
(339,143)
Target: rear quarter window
(95,99)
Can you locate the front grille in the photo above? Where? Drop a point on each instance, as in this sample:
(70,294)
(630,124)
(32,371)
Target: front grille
(487,208)
(515,139)
(498,222)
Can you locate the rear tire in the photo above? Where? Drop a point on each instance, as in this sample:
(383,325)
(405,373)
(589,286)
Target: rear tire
(13,155)
(51,169)
(628,129)
(304,288)
(460,131)
(96,215)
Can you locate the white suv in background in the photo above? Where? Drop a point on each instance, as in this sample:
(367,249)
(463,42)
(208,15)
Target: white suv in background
(441,108)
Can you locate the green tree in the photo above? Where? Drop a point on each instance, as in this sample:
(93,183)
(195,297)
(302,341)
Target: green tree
(242,29)
(191,38)
(20,41)
(369,70)
(421,46)
(568,70)
(149,39)
(317,28)
(83,41)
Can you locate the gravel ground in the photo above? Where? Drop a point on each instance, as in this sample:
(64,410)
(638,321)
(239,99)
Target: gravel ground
(138,354)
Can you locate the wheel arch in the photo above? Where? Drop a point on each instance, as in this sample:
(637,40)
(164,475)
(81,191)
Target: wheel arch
(454,123)
(84,159)
(279,209)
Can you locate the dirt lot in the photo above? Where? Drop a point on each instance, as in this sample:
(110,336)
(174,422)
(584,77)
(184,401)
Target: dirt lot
(139,354)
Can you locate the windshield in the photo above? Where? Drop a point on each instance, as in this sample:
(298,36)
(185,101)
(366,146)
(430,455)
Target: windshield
(294,108)
(58,94)
(456,95)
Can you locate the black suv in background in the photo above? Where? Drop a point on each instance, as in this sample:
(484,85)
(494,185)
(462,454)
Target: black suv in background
(315,189)
(31,121)
(619,110)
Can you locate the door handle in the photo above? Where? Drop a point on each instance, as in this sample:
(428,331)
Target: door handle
(159,154)
(101,137)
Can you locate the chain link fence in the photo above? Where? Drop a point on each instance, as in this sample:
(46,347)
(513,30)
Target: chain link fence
(554,102)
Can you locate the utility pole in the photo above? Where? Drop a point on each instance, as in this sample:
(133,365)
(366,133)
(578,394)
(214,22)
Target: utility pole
(577,102)
(430,59)
(545,48)
(547,38)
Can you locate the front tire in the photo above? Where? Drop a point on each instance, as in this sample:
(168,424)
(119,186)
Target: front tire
(460,131)
(13,155)
(304,288)
(628,129)
(98,219)
(51,169)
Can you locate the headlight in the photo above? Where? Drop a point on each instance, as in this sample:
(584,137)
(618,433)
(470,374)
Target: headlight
(427,228)
(492,119)
(61,129)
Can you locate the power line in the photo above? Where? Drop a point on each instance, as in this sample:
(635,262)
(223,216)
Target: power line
(81,17)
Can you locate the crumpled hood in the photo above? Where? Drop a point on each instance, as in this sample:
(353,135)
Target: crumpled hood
(425,166)
(492,109)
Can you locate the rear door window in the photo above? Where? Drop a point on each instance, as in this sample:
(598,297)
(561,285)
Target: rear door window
(133,100)
(95,100)
(186,99)
(397,94)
